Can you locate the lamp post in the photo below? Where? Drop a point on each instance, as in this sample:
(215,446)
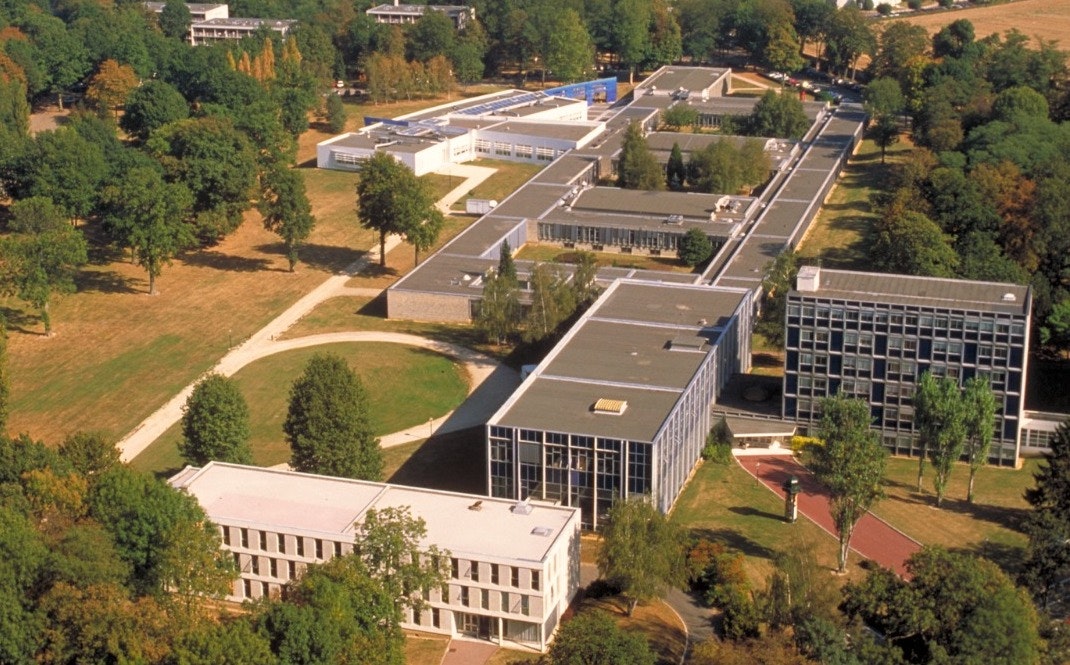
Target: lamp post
(791,499)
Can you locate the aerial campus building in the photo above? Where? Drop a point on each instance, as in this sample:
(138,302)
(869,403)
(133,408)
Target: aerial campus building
(212,23)
(514,566)
(873,336)
(405,14)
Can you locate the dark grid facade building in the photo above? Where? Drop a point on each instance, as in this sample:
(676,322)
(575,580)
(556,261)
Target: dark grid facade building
(874,335)
(621,406)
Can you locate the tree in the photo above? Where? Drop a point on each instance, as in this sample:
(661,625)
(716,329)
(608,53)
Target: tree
(41,258)
(506,265)
(679,115)
(780,116)
(423,235)
(90,453)
(939,419)
(336,114)
(65,167)
(779,278)
(286,210)
(151,106)
(850,463)
(216,162)
(980,415)
(1056,328)
(552,302)
(585,288)
(695,247)
(111,85)
(570,52)
(882,97)
(175,19)
(953,38)
(594,638)
(643,553)
(885,133)
(215,423)
(912,244)
(336,613)
(152,524)
(328,425)
(59,53)
(149,216)
(1047,557)
(389,542)
(5,383)
(782,50)
(637,168)
(847,38)
(499,310)
(234,642)
(955,608)
(900,44)
(631,32)
(432,34)
(390,199)
(676,170)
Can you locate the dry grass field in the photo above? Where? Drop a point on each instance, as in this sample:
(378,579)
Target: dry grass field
(1047,20)
(119,353)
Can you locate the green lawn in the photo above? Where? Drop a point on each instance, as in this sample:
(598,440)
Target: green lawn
(725,504)
(406,386)
(990,527)
(509,178)
(840,236)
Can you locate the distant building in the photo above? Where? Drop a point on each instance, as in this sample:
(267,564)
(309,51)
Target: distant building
(873,335)
(514,566)
(397,13)
(232,29)
(621,406)
(197,11)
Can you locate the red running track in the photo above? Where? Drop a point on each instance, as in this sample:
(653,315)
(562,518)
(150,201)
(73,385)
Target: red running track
(873,538)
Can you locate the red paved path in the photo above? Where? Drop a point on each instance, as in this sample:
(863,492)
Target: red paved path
(873,538)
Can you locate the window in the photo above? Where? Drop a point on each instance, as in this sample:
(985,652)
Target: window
(282,543)
(273,567)
(455,568)
(501,148)
(464,596)
(300,546)
(484,599)
(514,580)
(544,154)
(237,561)
(494,573)
(245,538)
(265,590)
(535,580)
(338,548)
(821,336)
(435,618)
(525,605)
(263,540)
(505,601)
(291,569)
(319,549)
(523,151)
(482,145)
(247,588)
(226,535)
(475,571)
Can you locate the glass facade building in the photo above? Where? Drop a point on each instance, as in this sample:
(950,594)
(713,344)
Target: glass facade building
(873,336)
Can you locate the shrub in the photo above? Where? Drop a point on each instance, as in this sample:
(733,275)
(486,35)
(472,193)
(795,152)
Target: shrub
(914,4)
(883,9)
(718,448)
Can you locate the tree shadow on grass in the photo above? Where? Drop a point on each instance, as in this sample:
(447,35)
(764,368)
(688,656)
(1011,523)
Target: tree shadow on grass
(329,258)
(106,281)
(736,541)
(452,462)
(22,321)
(1005,516)
(754,512)
(208,258)
(1008,557)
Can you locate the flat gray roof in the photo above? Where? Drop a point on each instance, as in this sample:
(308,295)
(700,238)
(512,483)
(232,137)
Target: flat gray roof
(641,342)
(567,131)
(655,204)
(912,291)
(324,506)
(669,79)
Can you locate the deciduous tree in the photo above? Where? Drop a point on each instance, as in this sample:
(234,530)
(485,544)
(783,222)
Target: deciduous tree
(850,463)
(552,301)
(939,418)
(643,553)
(175,19)
(778,280)
(594,638)
(637,168)
(980,416)
(41,258)
(391,200)
(911,243)
(390,544)
(286,209)
(676,170)
(215,423)
(778,115)
(90,453)
(328,425)
(111,85)
(149,216)
(569,52)
(151,106)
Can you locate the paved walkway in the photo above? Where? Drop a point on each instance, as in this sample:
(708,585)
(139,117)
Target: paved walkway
(263,342)
(873,538)
(468,652)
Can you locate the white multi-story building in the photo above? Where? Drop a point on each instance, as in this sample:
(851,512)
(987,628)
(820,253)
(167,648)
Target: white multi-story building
(405,14)
(233,29)
(514,566)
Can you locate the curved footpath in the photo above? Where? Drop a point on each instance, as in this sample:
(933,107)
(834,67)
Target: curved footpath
(263,343)
(873,538)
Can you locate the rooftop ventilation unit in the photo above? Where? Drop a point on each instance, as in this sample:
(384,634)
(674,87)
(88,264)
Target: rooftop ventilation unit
(675,220)
(613,407)
(522,507)
(695,343)
(542,531)
(1009,297)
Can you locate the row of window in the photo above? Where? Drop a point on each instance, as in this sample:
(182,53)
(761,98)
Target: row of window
(496,575)
(279,540)
(938,322)
(485,147)
(523,606)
